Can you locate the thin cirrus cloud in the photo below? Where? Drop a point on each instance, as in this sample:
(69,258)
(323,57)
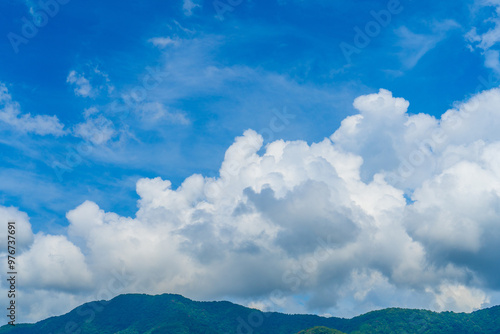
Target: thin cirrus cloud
(330,221)
(190,70)
(154,112)
(416,45)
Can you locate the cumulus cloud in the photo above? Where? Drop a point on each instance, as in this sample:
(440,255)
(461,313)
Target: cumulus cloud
(393,209)
(24,234)
(53,262)
(10,114)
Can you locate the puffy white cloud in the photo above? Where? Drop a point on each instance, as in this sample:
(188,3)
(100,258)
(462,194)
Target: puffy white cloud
(23,233)
(327,220)
(10,114)
(53,262)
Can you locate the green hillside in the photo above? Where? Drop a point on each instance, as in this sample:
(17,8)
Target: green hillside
(320,330)
(174,314)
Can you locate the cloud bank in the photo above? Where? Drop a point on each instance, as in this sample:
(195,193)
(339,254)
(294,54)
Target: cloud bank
(393,209)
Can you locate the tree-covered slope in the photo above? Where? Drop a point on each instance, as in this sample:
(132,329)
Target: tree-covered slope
(134,313)
(137,314)
(406,321)
(320,330)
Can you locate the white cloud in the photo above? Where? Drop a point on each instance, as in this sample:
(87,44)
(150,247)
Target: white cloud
(188,6)
(415,46)
(162,42)
(492,59)
(191,70)
(154,112)
(96,129)
(327,221)
(460,298)
(23,233)
(53,262)
(90,84)
(487,41)
(83,87)
(10,114)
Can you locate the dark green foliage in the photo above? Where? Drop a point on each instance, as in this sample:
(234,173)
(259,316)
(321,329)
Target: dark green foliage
(138,314)
(320,330)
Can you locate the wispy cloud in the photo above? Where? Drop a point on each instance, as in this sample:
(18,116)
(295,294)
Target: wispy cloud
(416,45)
(487,40)
(154,112)
(96,129)
(83,87)
(188,6)
(162,42)
(10,115)
(90,85)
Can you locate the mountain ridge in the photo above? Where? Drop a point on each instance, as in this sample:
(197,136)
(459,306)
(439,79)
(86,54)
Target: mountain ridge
(172,313)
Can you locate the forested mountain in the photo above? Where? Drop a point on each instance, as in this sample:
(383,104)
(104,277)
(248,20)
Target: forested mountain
(168,313)
(320,330)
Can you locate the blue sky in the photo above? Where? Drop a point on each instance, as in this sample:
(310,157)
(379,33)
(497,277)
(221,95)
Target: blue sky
(296,42)
(106,93)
